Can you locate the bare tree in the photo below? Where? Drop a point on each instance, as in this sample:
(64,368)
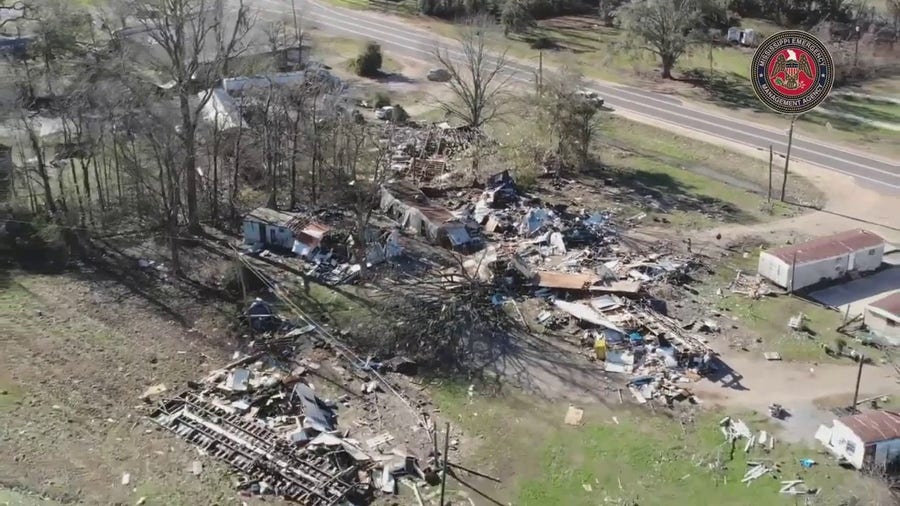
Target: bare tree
(661,27)
(357,158)
(571,116)
(199,44)
(477,78)
(893,9)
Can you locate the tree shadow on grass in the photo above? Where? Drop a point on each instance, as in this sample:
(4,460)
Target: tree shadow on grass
(659,191)
(728,89)
(838,122)
(860,107)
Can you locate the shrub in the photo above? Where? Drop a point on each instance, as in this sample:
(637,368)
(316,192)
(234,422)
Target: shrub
(399,114)
(542,42)
(380,100)
(368,63)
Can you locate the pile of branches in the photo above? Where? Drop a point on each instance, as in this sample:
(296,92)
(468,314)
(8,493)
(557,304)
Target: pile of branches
(448,324)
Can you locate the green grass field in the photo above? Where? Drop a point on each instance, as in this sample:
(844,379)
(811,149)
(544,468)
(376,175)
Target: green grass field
(692,177)
(625,455)
(583,43)
(767,317)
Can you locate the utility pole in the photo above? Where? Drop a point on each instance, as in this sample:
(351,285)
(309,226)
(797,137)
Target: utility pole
(856,51)
(444,467)
(856,391)
(771,158)
(787,157)
(541,72)
(793,268)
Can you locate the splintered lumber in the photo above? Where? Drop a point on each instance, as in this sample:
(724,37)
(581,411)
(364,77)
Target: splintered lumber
(637,395)
(755,473)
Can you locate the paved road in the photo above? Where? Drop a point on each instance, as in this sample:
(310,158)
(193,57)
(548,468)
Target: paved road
(402,38)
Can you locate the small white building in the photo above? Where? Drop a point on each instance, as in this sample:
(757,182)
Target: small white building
(270,228)
(882,318)
(800,265)
(871,438)
(744,37)
(225,107)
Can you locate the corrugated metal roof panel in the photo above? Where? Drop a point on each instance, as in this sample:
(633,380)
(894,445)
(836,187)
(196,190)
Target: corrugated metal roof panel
(828,247)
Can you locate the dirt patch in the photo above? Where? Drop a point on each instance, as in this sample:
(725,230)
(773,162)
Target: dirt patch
(81,352)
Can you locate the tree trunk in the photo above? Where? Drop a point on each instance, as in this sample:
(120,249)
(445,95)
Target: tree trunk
(214,201)
(118,168)
(295,136)
(190,163)
(86,181)
(667,63)
(77,191)
(50,204)
(235,180)
(172,229)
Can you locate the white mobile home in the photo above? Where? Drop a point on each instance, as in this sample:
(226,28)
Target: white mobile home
(869,438)
(801,265)
(269,227)
(883,318)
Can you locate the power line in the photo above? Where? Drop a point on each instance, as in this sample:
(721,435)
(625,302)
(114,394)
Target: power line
(325,335)
(283,296)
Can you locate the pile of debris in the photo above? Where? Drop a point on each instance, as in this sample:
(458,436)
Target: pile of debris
(633,338)
(264,417)
(734,430)
(550,248)
(753,286)
(424,152)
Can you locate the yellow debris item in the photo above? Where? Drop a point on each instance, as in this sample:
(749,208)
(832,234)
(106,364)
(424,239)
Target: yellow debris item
(600,348)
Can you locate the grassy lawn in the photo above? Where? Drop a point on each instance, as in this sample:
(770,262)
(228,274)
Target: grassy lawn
(583,43)
(14,498)
(768,317)
(343,50)
(696,184)
(10,393)
(340,305)
(874,110)
(713,162)
(626,456)
(389,6)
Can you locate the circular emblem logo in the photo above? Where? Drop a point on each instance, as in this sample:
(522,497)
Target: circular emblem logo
(792,72)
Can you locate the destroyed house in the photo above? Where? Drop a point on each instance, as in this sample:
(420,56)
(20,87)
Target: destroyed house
(269,227)
(827,258)
(416,212)
(231,103)
(286,231)
(308,235)
(871,438)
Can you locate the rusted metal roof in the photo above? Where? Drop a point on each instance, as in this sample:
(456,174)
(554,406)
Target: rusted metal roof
(874,426)
(889,304)
(828,247)
(307,231)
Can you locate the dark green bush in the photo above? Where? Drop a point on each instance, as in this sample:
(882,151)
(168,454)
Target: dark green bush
(368,63)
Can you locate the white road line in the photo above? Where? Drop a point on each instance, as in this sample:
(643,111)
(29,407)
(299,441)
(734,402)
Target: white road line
(716,128)
(391,40)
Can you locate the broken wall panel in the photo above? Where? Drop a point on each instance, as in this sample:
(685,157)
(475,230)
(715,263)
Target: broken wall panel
(250,447)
